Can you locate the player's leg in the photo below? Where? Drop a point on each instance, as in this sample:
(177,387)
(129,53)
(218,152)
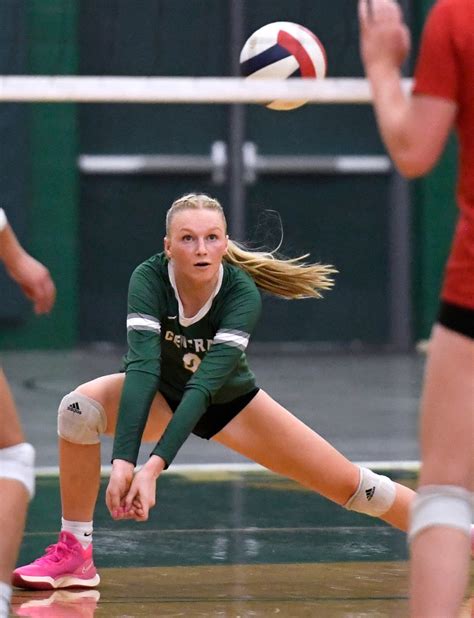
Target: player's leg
(16,486)
(440,526)
(80,463)
(83,416)
(268,434)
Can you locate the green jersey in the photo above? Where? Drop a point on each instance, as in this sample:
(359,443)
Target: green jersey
(197,361)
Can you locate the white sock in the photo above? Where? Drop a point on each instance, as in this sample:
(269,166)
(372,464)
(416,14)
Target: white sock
(82,530)
(5,596)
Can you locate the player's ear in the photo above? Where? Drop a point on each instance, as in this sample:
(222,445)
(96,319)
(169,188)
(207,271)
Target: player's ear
(167,246)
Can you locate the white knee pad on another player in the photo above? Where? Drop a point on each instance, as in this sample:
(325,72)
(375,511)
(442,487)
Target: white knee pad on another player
(18,463)
(441,505)
(81,419)
(374,496)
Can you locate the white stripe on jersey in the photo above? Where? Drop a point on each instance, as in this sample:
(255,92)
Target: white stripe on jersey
(235,338)
(140,321)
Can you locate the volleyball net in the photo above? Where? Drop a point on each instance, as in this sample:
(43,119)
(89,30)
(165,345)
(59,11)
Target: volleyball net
(207,90)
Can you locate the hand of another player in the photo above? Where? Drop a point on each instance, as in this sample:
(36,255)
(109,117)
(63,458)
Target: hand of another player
(34,280)
(142,494)
(119,484)
(384,37)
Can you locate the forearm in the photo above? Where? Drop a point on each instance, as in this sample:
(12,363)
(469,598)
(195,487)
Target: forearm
(10,249)
(155,466)
(393,112)
(414,128)
(137,396)
(192,407)
(404,127)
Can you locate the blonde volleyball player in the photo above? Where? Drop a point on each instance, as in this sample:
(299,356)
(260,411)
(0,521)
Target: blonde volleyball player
(415,129)
(191,312)
(16,456)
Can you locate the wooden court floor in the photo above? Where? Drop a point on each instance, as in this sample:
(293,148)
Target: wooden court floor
(229,544)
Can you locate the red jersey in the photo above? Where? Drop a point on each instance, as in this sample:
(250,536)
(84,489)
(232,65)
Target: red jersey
(445,69)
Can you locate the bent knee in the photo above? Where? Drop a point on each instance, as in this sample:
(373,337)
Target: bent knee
(81,419)
(445,506)
(374,496)
(94,389)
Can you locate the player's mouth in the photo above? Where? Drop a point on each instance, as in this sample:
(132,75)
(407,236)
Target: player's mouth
(202,264)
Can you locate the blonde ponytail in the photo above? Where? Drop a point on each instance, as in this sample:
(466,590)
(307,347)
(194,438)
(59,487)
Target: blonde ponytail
(286,278)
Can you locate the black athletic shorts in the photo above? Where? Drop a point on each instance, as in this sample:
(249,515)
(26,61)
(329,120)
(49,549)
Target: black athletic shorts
(218,415)
(457,318)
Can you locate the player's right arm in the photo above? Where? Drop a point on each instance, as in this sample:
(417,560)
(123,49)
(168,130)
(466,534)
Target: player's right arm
(142,362)
(32,277)
(414,128)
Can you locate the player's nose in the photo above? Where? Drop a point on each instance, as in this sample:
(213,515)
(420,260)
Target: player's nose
(201,246)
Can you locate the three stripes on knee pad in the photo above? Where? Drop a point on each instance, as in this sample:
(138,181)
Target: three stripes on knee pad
(81,420)
(374,496)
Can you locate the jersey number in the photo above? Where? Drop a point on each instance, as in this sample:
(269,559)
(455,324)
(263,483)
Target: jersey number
(191,362)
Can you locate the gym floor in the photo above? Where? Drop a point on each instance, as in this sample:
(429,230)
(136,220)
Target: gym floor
(228,538)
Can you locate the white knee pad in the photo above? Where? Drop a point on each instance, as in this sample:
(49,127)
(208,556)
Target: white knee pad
(81,419)
(441,505)
(18,463)
(374,496)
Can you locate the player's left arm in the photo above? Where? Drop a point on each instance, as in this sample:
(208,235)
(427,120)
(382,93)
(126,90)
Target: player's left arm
(236,324)
(414,128)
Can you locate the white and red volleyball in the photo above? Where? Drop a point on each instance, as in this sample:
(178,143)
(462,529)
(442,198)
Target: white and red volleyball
(281,50)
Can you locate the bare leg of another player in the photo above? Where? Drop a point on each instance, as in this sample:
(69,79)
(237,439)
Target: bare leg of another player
(16,486)
(441,549)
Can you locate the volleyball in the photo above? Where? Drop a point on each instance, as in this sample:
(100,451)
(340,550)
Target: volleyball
(281,50)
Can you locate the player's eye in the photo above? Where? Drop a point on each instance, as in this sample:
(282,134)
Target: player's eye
(213,237)
(187,238)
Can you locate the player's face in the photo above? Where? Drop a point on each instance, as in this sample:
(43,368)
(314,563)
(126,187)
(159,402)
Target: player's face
(196,243)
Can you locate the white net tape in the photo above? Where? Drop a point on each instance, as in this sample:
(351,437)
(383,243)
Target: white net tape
(182,89)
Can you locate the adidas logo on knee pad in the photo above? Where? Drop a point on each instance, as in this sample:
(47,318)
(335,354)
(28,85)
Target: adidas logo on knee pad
(74,407)
(370,493)
(87,421)
(374,495)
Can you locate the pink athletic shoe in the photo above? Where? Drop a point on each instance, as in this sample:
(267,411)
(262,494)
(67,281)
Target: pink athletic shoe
(66,564)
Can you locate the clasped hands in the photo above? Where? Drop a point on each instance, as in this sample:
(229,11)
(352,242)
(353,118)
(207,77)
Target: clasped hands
(130,494)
